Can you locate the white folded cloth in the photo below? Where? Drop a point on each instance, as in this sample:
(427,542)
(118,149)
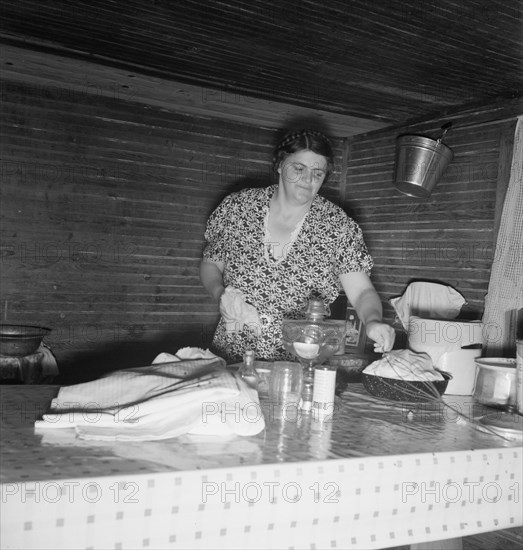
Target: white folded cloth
(184,353)
(428,300)
(159,401)
(236,312)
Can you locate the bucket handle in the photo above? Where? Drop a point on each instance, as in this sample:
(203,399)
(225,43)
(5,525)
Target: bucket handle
(446,127)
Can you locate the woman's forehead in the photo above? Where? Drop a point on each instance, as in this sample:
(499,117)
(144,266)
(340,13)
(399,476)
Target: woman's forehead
(308,158)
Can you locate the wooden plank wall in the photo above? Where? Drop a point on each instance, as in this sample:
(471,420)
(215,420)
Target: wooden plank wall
(103,209)
(448,238)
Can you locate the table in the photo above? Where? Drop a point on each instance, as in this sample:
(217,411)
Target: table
(381,474)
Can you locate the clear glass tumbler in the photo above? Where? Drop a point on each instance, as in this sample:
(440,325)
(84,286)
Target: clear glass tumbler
(286,383)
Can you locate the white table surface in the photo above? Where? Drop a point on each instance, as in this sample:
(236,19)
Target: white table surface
(381,474)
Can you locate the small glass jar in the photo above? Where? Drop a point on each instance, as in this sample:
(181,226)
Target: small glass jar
(247,370)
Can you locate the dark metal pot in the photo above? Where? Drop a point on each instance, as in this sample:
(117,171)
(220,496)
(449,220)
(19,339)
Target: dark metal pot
(21,340)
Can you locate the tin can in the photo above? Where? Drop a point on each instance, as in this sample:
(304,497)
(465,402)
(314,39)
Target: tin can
(519,376)
(324,390)
(495,383)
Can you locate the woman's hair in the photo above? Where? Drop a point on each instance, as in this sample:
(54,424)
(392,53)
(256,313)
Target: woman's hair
(304,140)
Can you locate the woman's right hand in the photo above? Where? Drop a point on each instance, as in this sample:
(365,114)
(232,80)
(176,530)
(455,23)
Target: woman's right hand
(237,313)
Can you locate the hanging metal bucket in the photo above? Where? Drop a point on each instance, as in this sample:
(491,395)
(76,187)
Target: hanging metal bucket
(420,163)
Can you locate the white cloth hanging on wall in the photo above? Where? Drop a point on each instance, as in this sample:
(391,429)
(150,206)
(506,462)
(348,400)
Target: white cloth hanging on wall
(505,291)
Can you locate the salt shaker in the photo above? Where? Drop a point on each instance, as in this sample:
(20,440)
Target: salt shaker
(247,371)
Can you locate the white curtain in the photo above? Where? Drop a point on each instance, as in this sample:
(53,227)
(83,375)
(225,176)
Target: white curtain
(505,291)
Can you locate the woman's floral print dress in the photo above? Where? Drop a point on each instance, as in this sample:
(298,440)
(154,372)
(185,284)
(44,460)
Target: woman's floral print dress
(328,244)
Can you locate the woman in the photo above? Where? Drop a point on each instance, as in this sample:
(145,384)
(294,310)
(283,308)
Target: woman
(271,249)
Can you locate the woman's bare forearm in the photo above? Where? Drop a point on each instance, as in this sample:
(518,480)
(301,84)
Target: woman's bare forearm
(211,276)
(368,306)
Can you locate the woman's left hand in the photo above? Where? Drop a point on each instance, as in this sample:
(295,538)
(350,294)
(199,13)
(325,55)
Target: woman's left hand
(382,334)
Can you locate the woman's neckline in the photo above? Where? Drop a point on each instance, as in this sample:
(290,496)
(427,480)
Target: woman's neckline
(295,227)
(298,215)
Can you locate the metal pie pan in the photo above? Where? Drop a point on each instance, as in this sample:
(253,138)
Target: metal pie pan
(408,391)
